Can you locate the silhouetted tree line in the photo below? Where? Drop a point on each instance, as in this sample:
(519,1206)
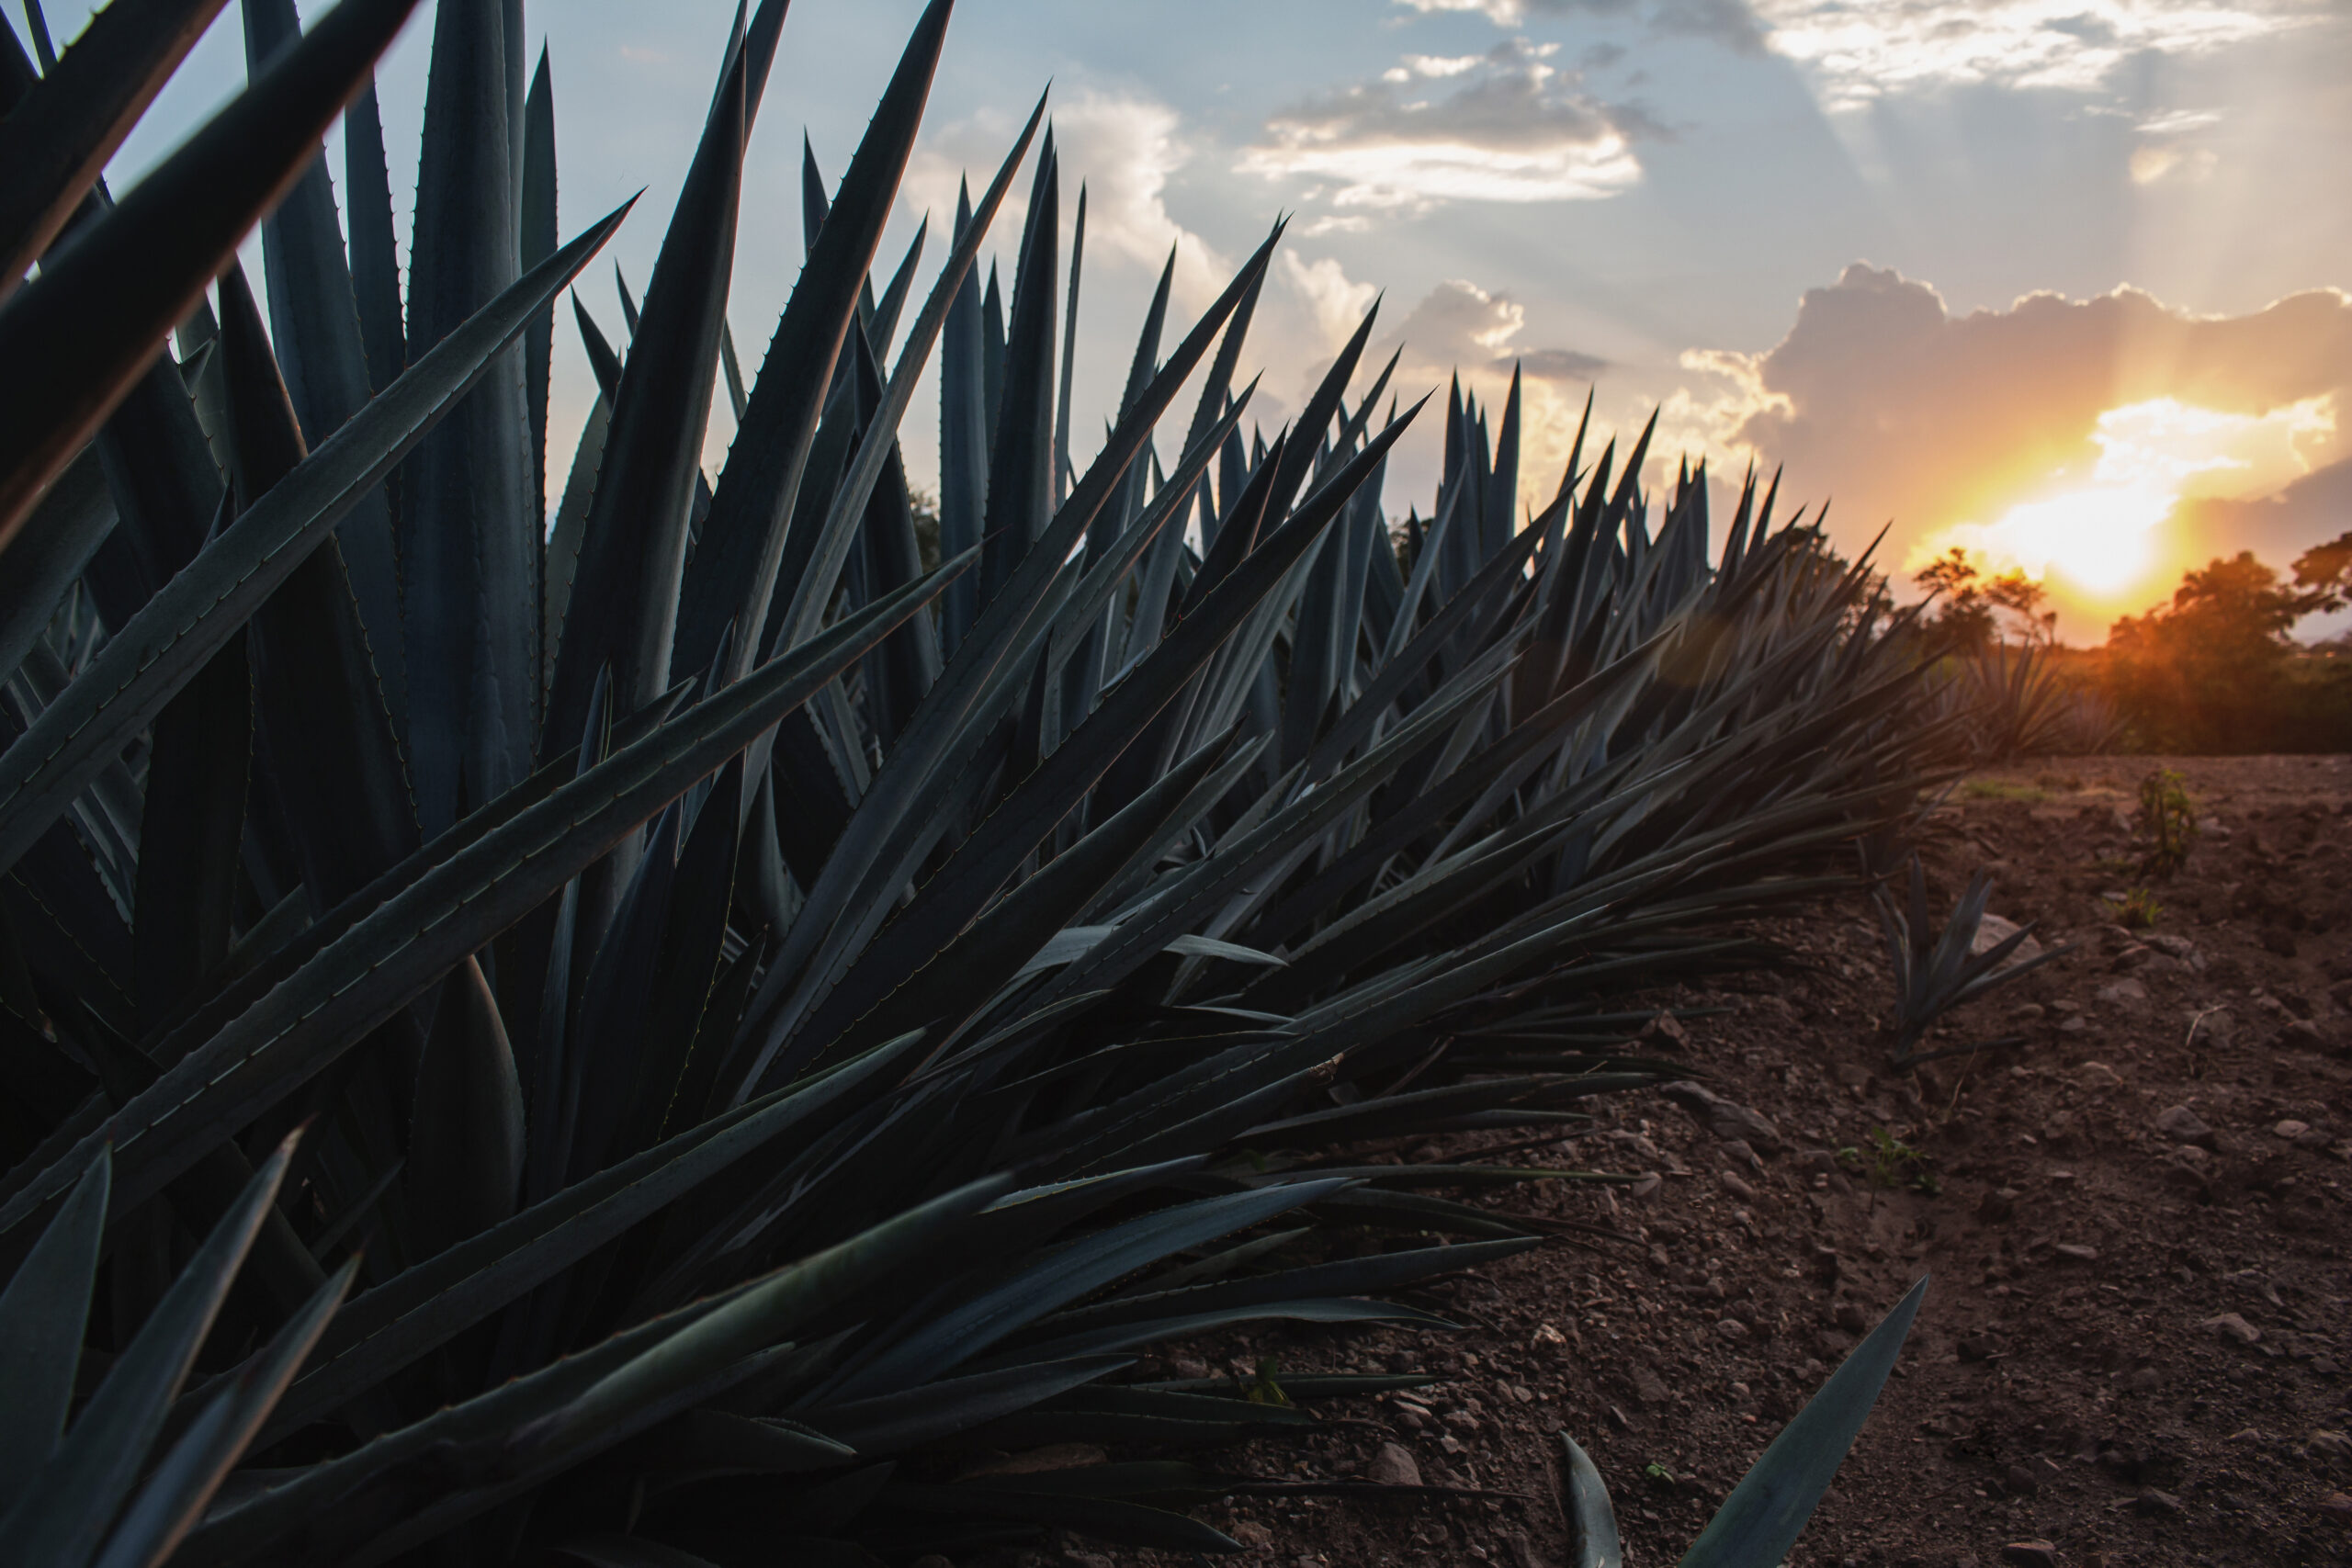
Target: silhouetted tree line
(2216,670)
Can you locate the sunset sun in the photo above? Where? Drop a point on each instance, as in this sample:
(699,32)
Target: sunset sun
(2100,541)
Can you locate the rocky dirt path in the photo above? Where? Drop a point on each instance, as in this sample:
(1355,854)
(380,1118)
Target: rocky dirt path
(2136,1344)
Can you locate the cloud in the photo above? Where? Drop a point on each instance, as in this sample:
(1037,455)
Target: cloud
(1503,126)
(1944,423)
(1459,325)
(1726,21)
(1555,364)
(1939,418)
(1458,321)
(2159,154)
(2276,527)
(1123,147)
(1337,304)
(1860,51)
(2149,164)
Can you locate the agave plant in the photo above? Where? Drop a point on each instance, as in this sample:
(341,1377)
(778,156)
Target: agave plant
(2011,701)
(1766,1512)
(1935,972)
(764,1009)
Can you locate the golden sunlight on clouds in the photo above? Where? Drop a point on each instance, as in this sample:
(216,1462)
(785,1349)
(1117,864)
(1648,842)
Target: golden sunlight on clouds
(2108,546)
(1971,428)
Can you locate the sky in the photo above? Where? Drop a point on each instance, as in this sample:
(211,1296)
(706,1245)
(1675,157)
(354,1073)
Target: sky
(2061,282)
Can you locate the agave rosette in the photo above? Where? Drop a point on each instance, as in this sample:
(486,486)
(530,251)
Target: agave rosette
(771,994)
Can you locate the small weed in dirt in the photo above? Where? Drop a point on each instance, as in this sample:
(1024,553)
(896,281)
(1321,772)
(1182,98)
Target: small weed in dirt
(1266,1387)
(1890,1163)
(2139,910)
(2167,821)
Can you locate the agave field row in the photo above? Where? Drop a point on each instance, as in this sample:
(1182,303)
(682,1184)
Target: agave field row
(635,1031)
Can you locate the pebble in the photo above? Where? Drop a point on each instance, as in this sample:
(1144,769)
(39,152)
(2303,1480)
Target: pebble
(1737,1187)
(2291,1129)
(1666,1027)
(2097,1075)
(1642,1147)
(2077,1251)
(1992,931)
(1392,1466)
(1724,1119)
(2230,1326)
(1733,1330)
(2031,1553)
(2153,1504)
(2336,1505)
(2021,1480)
(2183,1126)
(1648,1389)
(2124,993)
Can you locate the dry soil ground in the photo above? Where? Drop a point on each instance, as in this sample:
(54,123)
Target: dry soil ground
(2136,1343)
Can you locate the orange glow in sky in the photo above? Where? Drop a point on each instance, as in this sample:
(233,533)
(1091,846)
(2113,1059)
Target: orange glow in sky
(2106,545)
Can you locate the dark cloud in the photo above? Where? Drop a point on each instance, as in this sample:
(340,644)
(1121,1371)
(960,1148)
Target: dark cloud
(1457,324)
(1555,364)
(2277,527)
(1509,100)
(1727,22)
(1506,124)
